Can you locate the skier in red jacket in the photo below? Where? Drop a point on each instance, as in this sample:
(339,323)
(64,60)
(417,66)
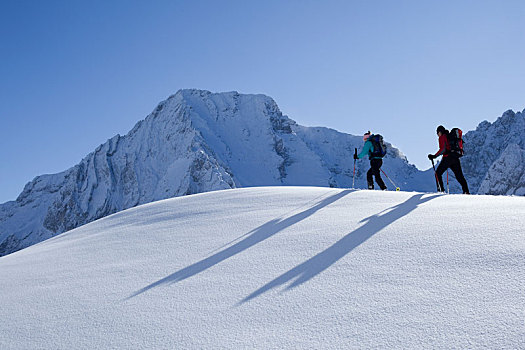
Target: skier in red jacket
(449,160)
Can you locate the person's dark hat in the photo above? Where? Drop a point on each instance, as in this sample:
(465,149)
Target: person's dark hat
(441,129)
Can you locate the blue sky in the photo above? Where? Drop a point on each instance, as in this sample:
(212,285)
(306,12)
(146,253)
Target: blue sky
(75,73)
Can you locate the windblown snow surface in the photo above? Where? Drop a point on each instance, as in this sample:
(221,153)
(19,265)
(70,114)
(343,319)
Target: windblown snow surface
(277,267)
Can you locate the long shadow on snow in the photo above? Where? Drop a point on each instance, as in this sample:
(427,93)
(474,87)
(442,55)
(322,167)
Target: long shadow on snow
(254,237)
(320,262)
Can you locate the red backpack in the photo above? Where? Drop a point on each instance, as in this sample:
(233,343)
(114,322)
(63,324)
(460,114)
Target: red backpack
(455,140)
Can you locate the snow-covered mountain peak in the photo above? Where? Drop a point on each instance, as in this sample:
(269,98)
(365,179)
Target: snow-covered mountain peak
(198,141)
(194,141)
(507,120)
(488,142)
(204,110)
(509,113)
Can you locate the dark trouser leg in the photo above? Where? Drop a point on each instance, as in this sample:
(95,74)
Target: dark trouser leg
(375,165)
(455,166)
(442,167)
(370,179)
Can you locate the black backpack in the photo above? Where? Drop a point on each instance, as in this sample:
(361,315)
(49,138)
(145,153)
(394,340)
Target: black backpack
(379,147)
(455,140)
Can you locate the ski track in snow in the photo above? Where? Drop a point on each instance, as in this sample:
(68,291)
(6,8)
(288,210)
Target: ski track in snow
(277,267)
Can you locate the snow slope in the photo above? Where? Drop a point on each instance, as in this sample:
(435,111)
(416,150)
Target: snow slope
(277,267)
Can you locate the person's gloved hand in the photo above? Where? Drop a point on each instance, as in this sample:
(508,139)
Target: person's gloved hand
(355,156)
(431,156)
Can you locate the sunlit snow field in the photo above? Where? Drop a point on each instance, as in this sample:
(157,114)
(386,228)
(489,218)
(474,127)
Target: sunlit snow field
(277,267)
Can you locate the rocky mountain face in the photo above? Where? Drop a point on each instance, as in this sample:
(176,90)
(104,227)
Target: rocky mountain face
(197,141)
(507,174)
(493,161)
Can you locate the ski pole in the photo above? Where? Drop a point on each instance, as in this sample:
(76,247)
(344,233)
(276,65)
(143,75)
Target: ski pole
(353,180)
(448,189)
(436,176)
(397,188)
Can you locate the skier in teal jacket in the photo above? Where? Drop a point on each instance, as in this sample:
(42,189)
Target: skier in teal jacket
(375,164)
